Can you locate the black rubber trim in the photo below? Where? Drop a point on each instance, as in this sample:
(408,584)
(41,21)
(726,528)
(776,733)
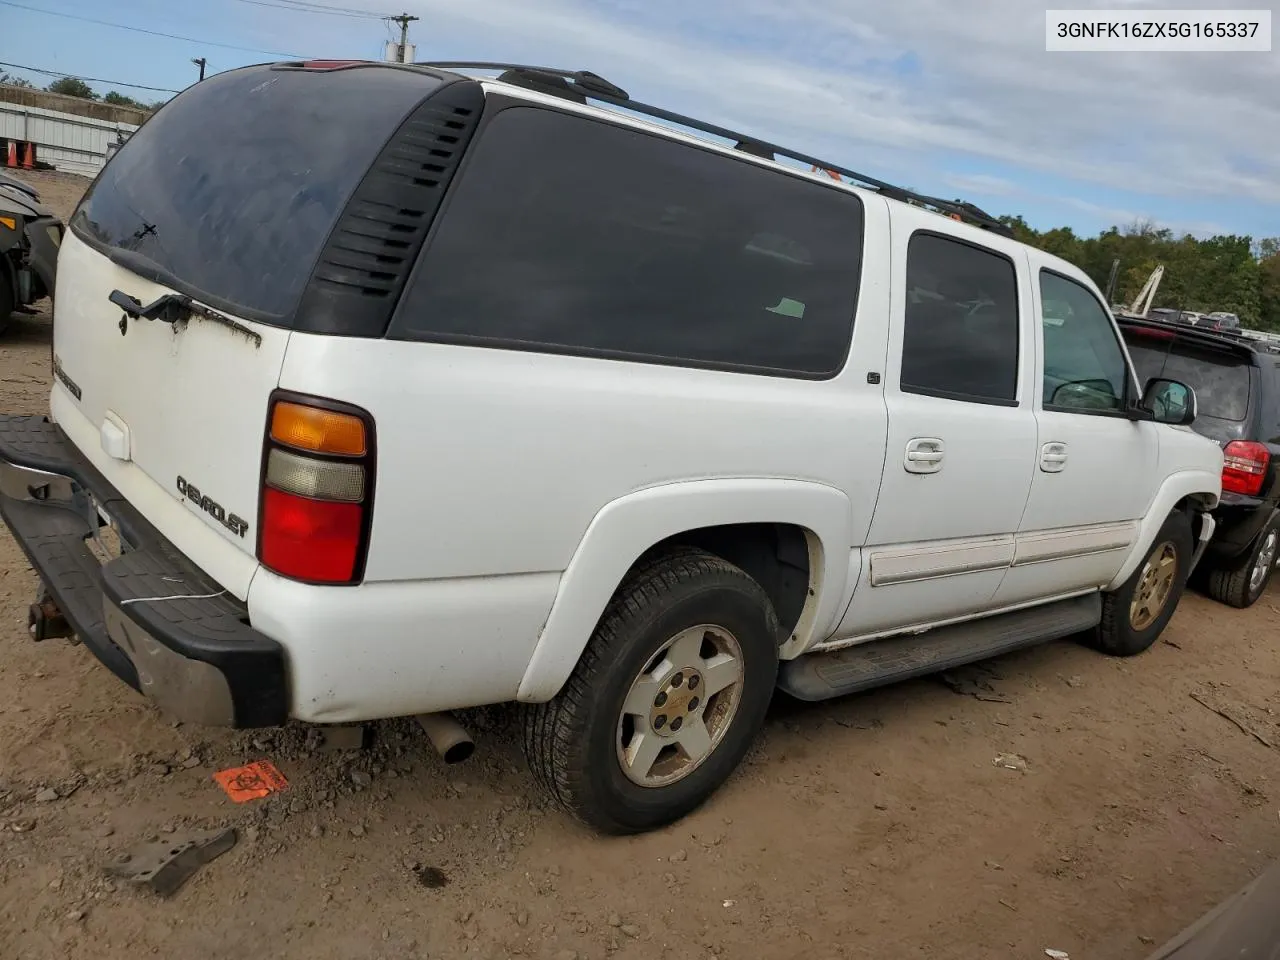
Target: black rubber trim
(366,261)
(213,629)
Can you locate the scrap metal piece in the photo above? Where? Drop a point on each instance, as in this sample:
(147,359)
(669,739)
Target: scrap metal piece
(165,865)
(45,621)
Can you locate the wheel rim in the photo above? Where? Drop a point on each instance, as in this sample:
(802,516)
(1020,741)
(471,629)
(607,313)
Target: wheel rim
(1154,586)
(1266,560)
(680,706)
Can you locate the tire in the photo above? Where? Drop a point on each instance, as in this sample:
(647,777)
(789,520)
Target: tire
(7,299)
(1129,628)
(1241,583)
(582,743)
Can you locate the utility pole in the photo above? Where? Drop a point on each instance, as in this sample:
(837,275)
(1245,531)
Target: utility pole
(199,62)
(404,20)
(1111,281)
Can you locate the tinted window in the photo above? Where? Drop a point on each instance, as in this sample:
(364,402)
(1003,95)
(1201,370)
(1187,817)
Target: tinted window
(960,337)
(573,235)
(1084,367)
(229,192)
(1221,380)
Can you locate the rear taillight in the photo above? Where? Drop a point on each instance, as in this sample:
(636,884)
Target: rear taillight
(1244,466)
(317,490)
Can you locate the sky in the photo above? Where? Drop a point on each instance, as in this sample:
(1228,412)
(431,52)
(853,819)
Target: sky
(953,98)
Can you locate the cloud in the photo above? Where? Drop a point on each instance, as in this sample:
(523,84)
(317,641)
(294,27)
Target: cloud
(982,183)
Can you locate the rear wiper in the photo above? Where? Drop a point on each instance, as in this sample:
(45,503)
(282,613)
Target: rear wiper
(169,308)
(174,308)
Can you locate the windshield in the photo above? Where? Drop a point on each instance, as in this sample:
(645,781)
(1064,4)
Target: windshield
(229,192)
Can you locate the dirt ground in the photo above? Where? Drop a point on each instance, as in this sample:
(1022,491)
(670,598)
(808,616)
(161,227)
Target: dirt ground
(874,827)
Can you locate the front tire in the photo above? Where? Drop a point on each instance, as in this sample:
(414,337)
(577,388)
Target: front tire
(1134,615)
(665,701)
(1241,583)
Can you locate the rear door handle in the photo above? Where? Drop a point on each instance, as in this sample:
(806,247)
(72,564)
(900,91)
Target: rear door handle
(1053,457)
(924,455)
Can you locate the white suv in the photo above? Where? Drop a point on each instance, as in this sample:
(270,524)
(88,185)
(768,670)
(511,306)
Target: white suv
(409,390)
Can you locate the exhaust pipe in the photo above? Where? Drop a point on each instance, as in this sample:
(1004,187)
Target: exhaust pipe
(452,742)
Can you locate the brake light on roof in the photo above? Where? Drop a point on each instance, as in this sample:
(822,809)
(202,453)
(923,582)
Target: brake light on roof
(1152,334)
(1244,466)
(317,486)
(328,64)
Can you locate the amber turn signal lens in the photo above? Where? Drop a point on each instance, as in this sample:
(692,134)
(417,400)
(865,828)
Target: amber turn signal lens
(321,431)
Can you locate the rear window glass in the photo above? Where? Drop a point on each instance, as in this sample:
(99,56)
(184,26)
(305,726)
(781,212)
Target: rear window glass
(229,192)
(1221,381)
(577,236)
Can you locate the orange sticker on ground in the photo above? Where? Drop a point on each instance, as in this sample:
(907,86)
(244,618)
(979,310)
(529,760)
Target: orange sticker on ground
(252,781)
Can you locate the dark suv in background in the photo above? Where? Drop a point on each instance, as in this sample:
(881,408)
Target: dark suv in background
(1237,385)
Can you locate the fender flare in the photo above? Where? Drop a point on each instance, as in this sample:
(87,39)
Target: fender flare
(625,528)
(1186,483)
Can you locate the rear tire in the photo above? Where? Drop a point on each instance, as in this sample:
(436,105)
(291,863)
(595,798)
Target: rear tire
(7,299)
(665,701)
(1242,582)
(1134,615)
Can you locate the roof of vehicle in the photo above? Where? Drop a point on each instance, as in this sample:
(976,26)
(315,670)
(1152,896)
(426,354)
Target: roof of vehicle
(584,92)
(593,94)
(580,87)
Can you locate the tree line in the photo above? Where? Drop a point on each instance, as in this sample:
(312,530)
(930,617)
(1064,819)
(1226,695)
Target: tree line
(73,87)
(1235,274)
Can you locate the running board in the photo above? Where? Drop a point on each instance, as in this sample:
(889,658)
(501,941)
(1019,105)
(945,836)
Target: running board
(821,676)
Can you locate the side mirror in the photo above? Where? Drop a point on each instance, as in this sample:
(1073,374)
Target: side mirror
(1170,401)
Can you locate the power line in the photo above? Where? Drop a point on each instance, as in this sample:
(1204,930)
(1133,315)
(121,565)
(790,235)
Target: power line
(328,7)
(316,8)
(154,33)
(110,83)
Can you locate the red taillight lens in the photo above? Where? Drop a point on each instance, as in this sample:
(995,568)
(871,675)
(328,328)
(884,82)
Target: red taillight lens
(310,539)
(317,490)
(1151,334)
(329,64)
(1244,466)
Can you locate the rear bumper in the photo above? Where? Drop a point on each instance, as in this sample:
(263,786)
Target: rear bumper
(150,615)
(1240,519)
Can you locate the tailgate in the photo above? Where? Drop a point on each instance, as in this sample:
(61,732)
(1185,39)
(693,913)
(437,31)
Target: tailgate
(210,221)
(183,404)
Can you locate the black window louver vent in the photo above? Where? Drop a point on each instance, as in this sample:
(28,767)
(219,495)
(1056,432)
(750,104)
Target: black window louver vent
(367,258)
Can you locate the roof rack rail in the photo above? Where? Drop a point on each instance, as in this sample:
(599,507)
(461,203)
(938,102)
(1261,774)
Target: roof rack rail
(582,85)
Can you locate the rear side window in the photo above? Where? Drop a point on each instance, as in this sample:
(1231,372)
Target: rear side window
(960,332)
(1221,380)
(572,235)
(229,192)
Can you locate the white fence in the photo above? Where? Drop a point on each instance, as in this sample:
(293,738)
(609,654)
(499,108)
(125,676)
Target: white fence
(68,142)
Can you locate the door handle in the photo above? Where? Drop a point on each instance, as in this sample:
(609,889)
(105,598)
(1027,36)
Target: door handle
(924,455)
(1053,457)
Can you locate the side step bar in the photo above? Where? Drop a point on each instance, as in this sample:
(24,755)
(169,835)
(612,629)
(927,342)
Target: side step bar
(821,676)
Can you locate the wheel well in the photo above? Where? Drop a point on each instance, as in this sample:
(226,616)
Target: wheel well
(775,555)
(1193,507)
